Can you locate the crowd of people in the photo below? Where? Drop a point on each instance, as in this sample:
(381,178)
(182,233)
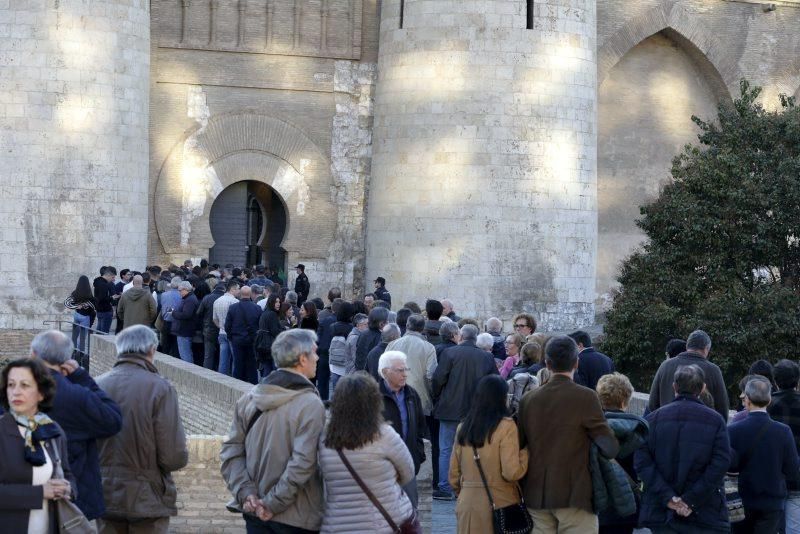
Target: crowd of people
(524,426)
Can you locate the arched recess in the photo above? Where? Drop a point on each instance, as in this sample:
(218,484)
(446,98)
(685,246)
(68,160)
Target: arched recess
(645,106)
(239,147)
(700,43)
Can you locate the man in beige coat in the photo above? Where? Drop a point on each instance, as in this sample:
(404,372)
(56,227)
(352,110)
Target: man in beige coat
(137,464)
(269,458)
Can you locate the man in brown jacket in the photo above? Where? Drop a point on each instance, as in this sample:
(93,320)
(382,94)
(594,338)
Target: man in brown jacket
(558,423)
(137,464)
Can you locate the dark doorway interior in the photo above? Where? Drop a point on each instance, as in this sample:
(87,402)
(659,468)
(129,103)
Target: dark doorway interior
(248,221)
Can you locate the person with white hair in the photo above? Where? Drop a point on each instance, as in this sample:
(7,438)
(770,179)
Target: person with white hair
(184,322)
(85,413)
(402,408)
(138,488)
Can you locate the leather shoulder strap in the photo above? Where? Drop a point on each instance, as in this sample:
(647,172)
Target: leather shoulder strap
(483,475)
(368,493)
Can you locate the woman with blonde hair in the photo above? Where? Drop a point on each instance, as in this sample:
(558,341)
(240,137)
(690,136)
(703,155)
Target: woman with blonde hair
(513,346)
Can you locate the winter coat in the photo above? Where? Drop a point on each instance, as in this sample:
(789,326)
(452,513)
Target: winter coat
(383,294)
(373,358)
(631,432)
(785,408)
(764,471)
(518,386)
(417,426)
(352,343)
(687,455)
(137,463)
(571,418)
(421,360)
(206,310)
(241,323)
(431,332)
(103,293)
(302,286)
(503,463)
(367,341)
(661,392)
(384,465)
(591,366)
(277,459)
(184,319)
(268,322)
(456,377)
(325,332)
(85,413)
(441,347)
(137,306)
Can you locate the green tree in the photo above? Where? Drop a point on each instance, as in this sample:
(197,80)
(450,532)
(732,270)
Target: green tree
(723,248)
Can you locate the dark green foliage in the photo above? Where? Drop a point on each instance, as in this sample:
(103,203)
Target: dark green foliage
(724,248)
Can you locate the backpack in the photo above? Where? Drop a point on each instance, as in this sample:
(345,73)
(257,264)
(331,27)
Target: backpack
(518,386)
(337,354)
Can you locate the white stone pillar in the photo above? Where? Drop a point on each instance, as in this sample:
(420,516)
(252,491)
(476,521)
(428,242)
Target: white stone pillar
(74,87)
(484,160)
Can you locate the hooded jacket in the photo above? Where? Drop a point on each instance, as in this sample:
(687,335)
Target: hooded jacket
(137,306)
(277,459)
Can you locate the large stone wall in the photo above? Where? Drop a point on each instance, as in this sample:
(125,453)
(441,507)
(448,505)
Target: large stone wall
(484,161)
(73,116)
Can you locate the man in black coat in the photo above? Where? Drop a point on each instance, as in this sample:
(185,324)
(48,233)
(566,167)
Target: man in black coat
(402,409)
(84,412)
(765,456)
(184,320)
(591,364)
(389,333)
(378,317)
(301,286)
(454,385)
(210,331)
(241,325)
(380,291)
(106,297)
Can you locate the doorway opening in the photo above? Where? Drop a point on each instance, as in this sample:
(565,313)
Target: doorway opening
(248,222)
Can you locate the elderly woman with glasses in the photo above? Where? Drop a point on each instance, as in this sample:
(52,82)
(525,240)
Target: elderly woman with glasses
(524,324)
(513,344)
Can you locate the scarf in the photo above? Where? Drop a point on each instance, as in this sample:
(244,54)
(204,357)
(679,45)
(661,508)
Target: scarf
(38,429)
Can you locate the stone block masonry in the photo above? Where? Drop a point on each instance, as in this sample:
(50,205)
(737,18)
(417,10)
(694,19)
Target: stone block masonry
(207,401)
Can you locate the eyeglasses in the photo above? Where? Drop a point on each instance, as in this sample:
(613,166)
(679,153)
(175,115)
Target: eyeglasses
(401,370)
(521,325)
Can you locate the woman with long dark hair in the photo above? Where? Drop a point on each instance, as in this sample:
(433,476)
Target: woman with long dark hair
(286,316)
(491,434)
(358,443)
(309,318)
(269,327)
(82,302)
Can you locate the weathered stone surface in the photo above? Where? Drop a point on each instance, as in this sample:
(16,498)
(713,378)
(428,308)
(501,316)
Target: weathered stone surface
(73,117)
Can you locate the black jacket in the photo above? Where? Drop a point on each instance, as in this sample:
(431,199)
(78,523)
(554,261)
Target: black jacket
(417,426)
(302,286)
(591,366)
(325,333)
(440,348)
(103,292)
(206,309)
(431,332)
(372,360)
(456,377)
(241,323)
(382,294)
(367,341)
(184,318)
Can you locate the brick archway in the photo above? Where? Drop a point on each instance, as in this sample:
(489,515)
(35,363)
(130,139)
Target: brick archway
(239,147)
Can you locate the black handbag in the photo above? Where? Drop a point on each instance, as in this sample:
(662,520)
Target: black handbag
(513,519)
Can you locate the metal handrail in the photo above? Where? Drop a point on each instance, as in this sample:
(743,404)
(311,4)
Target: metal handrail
(82,356)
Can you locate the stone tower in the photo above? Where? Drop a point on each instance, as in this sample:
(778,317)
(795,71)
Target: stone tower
(484,159)
(74,158)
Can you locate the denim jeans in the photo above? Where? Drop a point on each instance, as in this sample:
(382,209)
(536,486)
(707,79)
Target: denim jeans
(225,355)
(104,321)
(185,349)
(334,379)
(78,332)
(793,512)
(447,435)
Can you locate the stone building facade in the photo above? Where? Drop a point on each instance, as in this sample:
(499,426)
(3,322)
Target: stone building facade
(494,152)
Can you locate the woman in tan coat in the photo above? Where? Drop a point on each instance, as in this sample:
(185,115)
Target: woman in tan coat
(489,428)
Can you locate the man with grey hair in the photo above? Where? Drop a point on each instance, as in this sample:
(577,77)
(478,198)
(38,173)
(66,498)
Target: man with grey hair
(291,298)
(421,359)
(169,300)
(138,488)
(184,320)
(485,341)
(765,456)
(389,333)
(449,311)
(220,315)
(269,458)
(684,461)
(137,305)
(402,409)
(494,326)
(698,346)
(85,413)
(454,383)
